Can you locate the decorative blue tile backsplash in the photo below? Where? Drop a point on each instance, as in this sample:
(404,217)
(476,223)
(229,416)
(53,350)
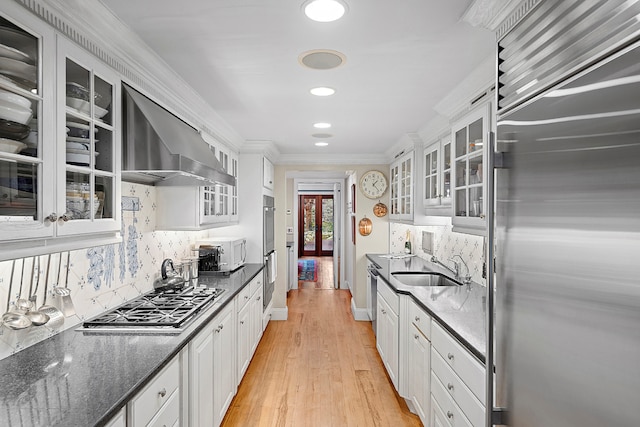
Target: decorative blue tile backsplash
(97,282)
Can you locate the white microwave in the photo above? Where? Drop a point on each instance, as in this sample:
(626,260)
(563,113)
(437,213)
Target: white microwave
(233,251)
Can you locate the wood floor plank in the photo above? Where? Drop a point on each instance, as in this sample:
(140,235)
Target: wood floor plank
(318,368)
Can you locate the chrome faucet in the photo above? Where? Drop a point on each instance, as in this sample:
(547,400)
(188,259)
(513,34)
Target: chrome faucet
(456,268)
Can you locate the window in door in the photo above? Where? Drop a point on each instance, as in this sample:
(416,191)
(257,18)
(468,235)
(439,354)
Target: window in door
(315,225)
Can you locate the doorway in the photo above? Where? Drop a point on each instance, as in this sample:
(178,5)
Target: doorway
(315,225)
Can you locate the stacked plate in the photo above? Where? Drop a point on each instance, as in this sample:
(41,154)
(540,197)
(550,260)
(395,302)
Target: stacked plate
(79,143)
(78,98)
(15,113)
(18,53)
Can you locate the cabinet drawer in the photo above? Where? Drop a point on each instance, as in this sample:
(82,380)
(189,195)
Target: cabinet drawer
(420,319)
(256,283)
(243,297)
(453,413)
(389,295)
(460,360)
(169,415)
(149,401)
(459,392)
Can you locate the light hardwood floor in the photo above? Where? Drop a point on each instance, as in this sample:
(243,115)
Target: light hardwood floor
(318,368)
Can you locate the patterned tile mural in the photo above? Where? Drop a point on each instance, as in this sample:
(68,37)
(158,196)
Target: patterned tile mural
(99,278)
(446,243)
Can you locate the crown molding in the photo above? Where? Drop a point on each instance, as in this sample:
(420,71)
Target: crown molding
(459,99)
(332,159)
(263,147)
(89,23)
(499,16)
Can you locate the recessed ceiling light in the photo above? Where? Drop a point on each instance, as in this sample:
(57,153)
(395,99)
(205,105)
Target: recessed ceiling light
(322,125)
(322,91)
(322,135)
(324,10)
(322,59)
(321,144)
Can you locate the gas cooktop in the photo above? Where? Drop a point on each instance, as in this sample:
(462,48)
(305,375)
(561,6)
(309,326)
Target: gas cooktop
(158,311)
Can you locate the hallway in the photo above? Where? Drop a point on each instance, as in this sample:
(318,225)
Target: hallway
(319,368)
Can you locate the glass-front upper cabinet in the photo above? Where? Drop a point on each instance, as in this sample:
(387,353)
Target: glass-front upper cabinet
(88,143)
(470,138)
(26,127)
(401,186)
(437,174)
(233,196)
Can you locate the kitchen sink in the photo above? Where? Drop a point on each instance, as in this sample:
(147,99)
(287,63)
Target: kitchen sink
(423,278)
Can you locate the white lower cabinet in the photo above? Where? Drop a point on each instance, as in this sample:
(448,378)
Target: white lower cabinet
(224,373)
(212,375)
(387,334)
(457,381)
(201,377)
(249,306)
(119,420)
(419,360)
(159,402)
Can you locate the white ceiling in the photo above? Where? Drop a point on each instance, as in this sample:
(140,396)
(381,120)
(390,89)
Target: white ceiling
(241,56)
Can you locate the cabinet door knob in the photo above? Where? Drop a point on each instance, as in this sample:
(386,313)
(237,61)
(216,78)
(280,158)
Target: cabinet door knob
(163,392)
(246,297)
(416,336)
(450,386)
(450,356)
(65,217)
(242,322)
(52,218)
(449,414)
(417,319)
(259,298)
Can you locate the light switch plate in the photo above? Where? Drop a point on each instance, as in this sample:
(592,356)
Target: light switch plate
(427,242)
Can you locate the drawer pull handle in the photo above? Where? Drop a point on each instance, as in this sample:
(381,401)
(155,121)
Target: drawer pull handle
(450,356)
(450,386)
(383,311)
(450,414)
(417,319)
(163,392)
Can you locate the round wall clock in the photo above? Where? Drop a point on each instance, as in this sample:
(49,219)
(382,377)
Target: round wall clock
(373,184)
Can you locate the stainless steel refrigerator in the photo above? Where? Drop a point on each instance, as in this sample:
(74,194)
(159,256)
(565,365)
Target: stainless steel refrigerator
(568,251)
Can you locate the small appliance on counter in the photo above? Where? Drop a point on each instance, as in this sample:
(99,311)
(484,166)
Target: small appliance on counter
(221,255)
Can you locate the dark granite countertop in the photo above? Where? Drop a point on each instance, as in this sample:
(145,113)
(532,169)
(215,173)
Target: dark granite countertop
(84,379)
(461,310)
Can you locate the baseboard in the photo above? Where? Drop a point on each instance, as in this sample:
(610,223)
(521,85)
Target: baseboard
(359,314)
(278,313)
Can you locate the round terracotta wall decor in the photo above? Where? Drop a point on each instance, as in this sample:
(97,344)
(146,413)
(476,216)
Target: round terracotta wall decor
(380,209)
(364,226)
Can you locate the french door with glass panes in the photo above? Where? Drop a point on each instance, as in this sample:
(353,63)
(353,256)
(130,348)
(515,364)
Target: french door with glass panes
(315,225)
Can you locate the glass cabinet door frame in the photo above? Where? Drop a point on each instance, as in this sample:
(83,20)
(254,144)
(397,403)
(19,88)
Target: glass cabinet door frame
(96,70)
(401,175)
(440,198)
(41,226)
(462,216)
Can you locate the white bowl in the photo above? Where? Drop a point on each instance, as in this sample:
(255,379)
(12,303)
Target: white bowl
(15,113)
(100,112)
(79,104)
(76,146)
(15,98)
(11,146)
(80,157)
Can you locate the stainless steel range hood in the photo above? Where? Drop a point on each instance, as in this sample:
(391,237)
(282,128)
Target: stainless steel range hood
(160,149)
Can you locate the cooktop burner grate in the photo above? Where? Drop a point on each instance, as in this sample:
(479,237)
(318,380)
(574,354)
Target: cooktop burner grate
(165,309)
